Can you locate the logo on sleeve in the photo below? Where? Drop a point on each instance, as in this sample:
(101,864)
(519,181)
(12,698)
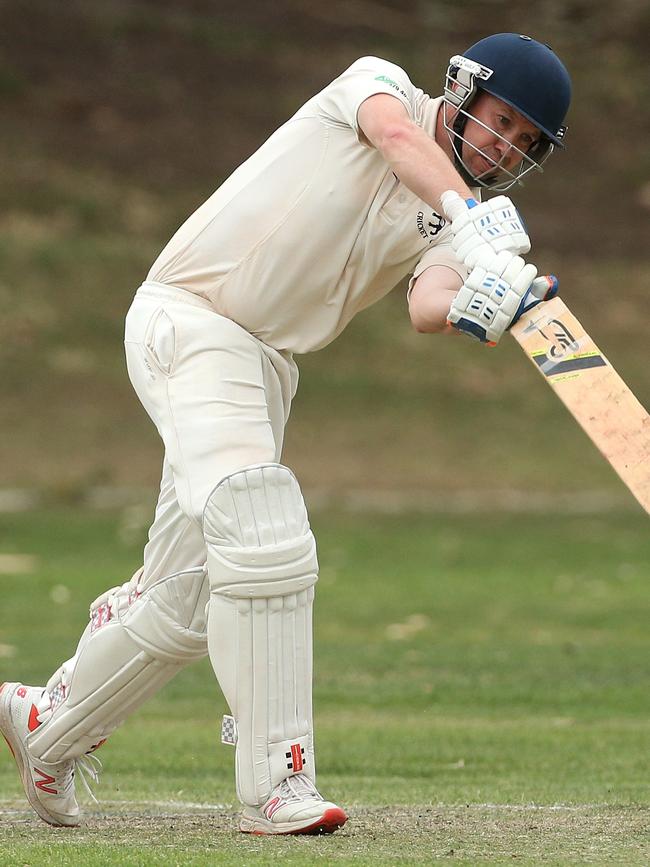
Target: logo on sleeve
(430,226)
(390,82)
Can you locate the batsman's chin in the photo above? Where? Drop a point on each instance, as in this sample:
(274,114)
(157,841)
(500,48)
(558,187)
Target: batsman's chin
(487,172)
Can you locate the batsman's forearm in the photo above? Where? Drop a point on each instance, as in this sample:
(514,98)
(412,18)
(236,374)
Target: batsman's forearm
(421,164)
(429,310)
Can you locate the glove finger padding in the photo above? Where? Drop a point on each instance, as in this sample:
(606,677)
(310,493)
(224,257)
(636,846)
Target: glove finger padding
(541,289)
(491,296)
(513,269)
(523,281)
(495,224)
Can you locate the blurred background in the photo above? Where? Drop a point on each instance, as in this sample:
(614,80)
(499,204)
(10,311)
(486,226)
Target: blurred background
(119,118)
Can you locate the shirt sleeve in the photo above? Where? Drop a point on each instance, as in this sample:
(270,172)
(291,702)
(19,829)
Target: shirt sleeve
(339,102)
(443,255)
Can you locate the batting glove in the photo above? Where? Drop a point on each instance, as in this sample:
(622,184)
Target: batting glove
(495,225)
(497,292)
(542,289)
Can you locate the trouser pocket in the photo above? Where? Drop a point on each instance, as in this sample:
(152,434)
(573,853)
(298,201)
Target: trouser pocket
(160,341)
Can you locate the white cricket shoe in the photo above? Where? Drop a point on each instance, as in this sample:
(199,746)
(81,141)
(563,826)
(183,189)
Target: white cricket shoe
(294,807)
(49,788)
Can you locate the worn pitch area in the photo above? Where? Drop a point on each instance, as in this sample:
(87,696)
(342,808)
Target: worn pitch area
(460,834)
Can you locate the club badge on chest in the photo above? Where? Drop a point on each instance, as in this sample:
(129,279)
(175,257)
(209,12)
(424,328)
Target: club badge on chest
(429,225)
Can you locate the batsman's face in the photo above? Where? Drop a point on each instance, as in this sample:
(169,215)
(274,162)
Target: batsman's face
(496,134)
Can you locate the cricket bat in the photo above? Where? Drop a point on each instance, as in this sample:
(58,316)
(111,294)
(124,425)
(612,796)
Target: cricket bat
(590,388)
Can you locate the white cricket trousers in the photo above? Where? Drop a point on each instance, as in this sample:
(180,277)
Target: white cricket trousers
(220,399)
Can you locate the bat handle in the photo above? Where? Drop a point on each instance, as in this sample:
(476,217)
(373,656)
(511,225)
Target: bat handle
(544,288)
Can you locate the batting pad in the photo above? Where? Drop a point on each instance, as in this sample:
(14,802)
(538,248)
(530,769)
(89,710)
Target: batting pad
(134,644)
(262,568)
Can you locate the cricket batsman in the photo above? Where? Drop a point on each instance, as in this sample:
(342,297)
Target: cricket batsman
(370,181)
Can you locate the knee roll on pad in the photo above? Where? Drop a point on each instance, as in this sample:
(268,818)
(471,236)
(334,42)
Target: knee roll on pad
(262,568)
(135,642)
(259,540)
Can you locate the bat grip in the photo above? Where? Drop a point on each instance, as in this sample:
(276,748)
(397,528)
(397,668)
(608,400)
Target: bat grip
(546,287)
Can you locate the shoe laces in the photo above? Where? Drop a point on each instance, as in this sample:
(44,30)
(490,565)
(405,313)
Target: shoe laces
(297,788)
(86,768)
(89,768)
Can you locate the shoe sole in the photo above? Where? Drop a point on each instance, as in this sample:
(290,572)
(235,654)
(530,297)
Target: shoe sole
(14,743)
(330,821)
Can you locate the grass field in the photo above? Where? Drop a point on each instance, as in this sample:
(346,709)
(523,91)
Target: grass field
(482,678)
(481,696)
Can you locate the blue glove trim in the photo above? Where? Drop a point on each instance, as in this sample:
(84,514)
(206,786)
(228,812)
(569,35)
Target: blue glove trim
(471,203)
(524,305)
(530,300)
(472,329)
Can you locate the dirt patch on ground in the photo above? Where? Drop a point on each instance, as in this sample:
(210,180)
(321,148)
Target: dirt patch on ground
(472,834)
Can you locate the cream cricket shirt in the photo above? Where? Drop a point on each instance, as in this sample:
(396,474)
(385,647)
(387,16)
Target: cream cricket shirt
(314,226)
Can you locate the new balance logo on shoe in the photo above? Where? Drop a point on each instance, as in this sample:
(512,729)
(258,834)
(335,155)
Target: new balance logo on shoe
(51,792)
(44,784)
(271,807)
(295,806)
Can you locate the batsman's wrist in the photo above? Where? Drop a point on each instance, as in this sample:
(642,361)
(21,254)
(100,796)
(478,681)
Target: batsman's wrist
(454,204)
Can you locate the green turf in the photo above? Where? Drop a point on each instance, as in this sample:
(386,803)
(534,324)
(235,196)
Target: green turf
(481,696)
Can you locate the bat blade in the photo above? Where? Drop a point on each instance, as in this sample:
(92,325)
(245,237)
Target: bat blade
(591,389)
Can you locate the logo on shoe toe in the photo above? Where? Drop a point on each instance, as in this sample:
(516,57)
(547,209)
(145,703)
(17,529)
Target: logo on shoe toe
(297,758)
(21,692)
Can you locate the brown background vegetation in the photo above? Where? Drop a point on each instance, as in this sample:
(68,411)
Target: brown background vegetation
(118,118)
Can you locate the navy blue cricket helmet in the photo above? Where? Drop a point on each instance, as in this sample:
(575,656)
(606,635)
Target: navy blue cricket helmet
(529,76)
(526,75)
